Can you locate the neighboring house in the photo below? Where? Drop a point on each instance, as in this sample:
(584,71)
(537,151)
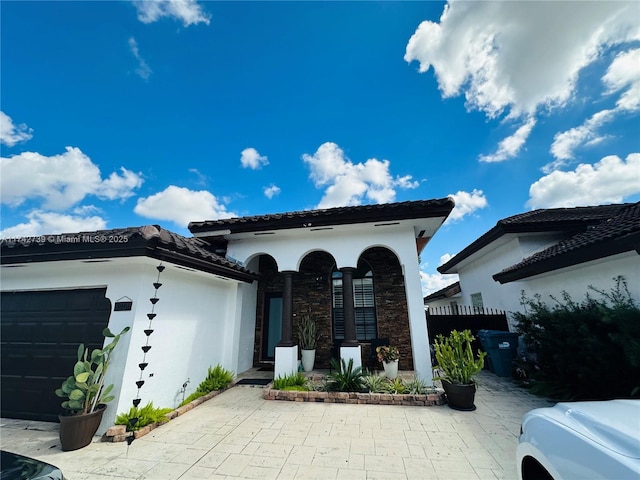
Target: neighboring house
(231,295)
(447,298)
(549,251)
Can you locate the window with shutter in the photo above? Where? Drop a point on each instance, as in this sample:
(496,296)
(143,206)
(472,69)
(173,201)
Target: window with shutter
(363,301)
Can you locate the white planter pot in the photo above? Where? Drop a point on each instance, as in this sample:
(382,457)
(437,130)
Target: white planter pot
(391,369)
(308,359)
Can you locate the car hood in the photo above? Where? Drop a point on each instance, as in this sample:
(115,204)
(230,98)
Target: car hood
(613,424)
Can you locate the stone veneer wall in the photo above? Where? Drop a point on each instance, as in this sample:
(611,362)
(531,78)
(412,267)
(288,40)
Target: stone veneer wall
(312,296)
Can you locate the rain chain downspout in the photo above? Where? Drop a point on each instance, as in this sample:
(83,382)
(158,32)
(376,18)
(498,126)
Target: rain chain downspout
(145,349)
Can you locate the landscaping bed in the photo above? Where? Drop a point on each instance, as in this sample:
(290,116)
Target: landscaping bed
(416,400)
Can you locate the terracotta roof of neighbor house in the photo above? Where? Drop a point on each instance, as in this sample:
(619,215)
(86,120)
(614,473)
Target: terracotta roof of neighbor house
(330,216)
(568,220)
(446,292)
(149,240)
(615,233)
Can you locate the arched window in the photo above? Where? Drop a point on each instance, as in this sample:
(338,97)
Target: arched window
(363,301)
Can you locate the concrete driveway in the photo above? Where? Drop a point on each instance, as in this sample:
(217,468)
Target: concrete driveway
(239,435)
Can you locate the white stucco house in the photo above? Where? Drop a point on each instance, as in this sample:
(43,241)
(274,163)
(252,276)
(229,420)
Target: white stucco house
(546,252)
(231,294)
(447,299)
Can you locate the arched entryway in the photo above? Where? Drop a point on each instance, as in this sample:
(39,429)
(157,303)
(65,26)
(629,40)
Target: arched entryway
(379,305)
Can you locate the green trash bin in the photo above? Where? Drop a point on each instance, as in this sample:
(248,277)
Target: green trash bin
(482,335)
(501,348)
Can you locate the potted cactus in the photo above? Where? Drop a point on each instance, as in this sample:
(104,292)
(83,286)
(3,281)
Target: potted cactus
(86,394)
(457,366)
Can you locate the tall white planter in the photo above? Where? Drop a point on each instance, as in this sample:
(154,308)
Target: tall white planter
(308,359)
(391,369)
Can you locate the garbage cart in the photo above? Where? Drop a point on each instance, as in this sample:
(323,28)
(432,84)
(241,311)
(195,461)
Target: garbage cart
(501,348)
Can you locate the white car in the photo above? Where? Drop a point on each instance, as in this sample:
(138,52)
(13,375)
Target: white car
(581,440)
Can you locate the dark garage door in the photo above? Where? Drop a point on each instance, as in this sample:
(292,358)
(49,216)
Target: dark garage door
(41,331)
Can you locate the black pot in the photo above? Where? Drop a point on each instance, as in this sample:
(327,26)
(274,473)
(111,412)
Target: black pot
(460,397)
(77,431)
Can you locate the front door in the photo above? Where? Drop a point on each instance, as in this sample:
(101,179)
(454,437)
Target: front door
(272,330)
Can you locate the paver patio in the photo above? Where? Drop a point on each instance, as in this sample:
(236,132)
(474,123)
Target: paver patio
(238,434)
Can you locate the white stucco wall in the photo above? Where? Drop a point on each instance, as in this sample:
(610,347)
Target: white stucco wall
(200,320)
(476,276)
(576,280)
(445,302)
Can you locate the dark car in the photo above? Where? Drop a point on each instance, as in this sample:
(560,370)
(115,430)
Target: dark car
(19,467)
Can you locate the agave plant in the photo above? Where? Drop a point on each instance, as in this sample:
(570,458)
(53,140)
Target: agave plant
(345,378)
(85,389)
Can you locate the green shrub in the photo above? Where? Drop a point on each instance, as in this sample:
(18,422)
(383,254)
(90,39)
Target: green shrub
(217,378)
(374,383)
(381,384)
(418,387)
(137,418)
(345,378)
(587,350)
(396,386)
(296,388)
(294,381)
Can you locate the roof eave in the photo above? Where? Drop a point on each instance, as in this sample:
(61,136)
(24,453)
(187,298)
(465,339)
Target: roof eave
(321,218)
(500,230)
(140,248)
(589,253)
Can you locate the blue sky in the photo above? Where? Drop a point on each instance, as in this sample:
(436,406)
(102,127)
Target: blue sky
(122,113)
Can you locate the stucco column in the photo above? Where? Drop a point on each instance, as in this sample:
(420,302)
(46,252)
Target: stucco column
(286,340)
(350,339)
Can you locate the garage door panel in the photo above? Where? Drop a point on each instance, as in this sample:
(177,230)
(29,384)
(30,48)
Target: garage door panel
(40,334)
(52,362)
(35,402)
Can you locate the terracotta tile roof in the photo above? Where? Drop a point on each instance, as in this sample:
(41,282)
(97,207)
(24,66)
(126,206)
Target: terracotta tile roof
(446,292)
(329,216)
(149,240)
(569,220)
(616,232)
(579,215)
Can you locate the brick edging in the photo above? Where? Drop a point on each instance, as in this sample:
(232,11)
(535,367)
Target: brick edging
(429,399)
(118,433)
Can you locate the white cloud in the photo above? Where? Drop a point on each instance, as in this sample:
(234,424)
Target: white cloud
(187,11)
(50,223)
(347,184)
(608,181)
(271,191)
(466,203)
(622,75)
(61,181)
(445,258)
(119,186)
(432,282)
(565,143)
(624,72)
(11,134)
(518,56)
(510,146)
(143,70)
(250,158)
(201,179)
(181,206)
